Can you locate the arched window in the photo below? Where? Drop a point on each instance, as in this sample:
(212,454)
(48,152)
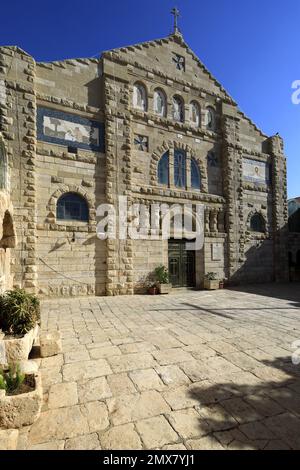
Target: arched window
(179,168)
(139,97)
(72,206)
(178,109)
(3,166)
(210,119)
(195,114)
(160,102)
(163,169)
(257,223)
(195,174)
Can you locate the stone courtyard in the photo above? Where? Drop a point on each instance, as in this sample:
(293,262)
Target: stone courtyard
(192,370)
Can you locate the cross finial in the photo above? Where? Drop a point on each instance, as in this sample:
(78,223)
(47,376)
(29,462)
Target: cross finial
(175,12)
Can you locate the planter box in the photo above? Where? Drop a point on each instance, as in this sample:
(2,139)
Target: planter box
(18,349)
(211,284)
(23,409)
(164,288)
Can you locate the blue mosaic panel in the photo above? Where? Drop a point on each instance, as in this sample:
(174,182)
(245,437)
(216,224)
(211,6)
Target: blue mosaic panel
(62,128)
(256,171)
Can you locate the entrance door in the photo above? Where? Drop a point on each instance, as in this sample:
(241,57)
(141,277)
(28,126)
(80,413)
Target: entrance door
(181,264)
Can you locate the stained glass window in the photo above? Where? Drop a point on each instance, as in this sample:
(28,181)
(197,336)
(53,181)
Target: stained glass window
(139,97)
(72,206)
(195,114)
(195,174)
(178,109)
(257,223)
(160,102)
(163,169)
(210,119)
(180,168)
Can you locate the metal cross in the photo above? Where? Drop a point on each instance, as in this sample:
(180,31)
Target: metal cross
(175,12)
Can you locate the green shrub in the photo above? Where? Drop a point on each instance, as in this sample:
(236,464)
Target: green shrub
(19,312)
(162,274)
(12,379)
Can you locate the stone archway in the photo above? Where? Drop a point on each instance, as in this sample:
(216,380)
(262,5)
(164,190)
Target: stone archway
(7,240)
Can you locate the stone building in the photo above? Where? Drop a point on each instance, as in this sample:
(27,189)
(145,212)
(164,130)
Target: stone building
(151,123)
(294,238)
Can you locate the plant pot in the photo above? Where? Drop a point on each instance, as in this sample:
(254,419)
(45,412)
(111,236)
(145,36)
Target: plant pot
(164,288)
(212,284)
(23,409)
(18,349)
(152,290)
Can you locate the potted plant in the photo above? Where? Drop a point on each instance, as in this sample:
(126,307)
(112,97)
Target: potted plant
(19,319)
(211,282)
(21,397)
(162,278)
(152,289)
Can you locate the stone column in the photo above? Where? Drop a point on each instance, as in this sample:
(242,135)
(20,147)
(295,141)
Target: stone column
(280,211)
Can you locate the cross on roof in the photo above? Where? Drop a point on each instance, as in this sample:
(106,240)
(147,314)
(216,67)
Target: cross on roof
(175,12)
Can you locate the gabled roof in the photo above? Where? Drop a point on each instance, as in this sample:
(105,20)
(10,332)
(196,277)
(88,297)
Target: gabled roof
(177,38)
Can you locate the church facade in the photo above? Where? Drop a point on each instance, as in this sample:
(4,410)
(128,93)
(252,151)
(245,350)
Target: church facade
(150,123)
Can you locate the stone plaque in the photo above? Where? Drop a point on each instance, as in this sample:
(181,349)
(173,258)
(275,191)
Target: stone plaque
(216,251)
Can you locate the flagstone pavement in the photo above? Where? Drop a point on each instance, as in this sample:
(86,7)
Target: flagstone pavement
(190,370)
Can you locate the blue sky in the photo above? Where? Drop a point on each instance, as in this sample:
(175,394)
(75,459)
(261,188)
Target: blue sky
(251,47)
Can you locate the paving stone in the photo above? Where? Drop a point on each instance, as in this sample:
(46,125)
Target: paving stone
(188,423)
(174,447)
(155,432)
(96,415)
(256,430)
(50,377)
(286,427)
(276,444)
(127,408)
(198,393)
(217,417)
(130,362)
(242,360)
(86,442)
(52,362)
(79,354)
(106,351)
(8,439)
(142,347)
(62,394)
(86,370)
(93,390)
(172,376)
(146,379)
(205,443)
(52,445)
(172,356)
(60,423)
(241,410)
(122,437)
(120,384)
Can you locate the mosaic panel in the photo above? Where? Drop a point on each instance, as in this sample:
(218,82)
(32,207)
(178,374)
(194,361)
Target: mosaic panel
(63,128)
(256,171)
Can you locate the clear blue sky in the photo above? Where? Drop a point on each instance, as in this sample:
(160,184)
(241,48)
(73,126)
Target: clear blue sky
(252,47)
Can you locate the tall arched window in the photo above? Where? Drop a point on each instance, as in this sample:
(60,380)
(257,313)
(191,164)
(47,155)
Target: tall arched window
(163,169)
(179,168)
(257,223)
(195,174)
(72,206)
(139,97)
(195,114)
(178,108)
(210,119)
(160,102)
(3,166)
